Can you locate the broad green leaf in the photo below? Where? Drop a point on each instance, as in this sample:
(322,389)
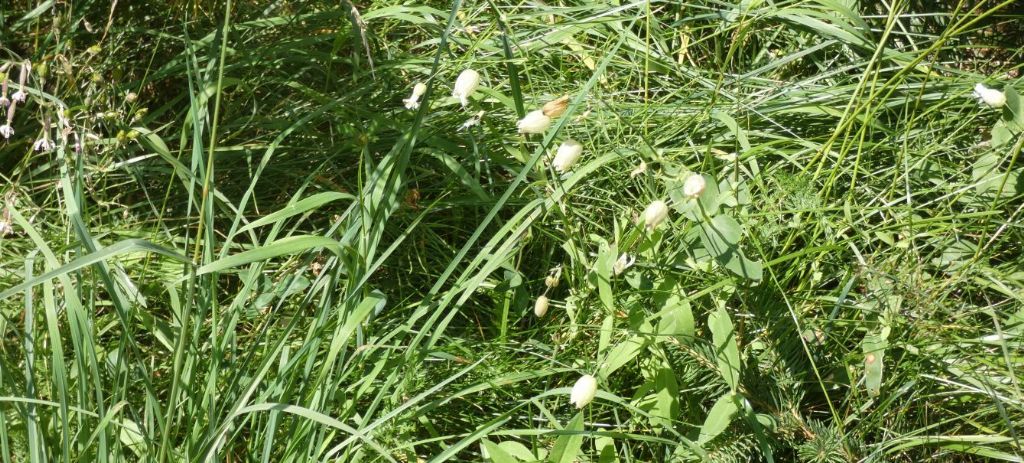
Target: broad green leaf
(676,318)
(286,246)
(727,353)
(568,445)
(622,353)
(605,262)
(1013,112)
(520,451)
(718,418)
(874,353)
(665,404)
(606,450)
(721,239)
(495,453)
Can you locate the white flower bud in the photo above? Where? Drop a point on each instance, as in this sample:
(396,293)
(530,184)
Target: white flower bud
(622,263)
(694,185)
(541,306)
(552,280)
(655,213)
(567,155)
(413,102)
(990,96)
(534,122)
(465,85)
(583,391)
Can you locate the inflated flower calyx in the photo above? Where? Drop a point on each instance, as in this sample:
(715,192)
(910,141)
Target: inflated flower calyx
(694,185)
(584,391)
(465,85)
(568,153)
(540,308)
(555,108)
(990,96)
(655,213)
(534,122)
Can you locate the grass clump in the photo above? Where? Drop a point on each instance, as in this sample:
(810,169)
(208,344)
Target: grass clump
(304,231)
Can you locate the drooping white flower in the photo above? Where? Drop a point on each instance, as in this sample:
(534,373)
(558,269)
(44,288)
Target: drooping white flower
(622,263)
(465,85)
(567,155)
(6,130)
(694,185)
(42,144)
(541,306)
(534,122)
(990,96)
(413,102)
(19,96)
(583,391)
(655,213)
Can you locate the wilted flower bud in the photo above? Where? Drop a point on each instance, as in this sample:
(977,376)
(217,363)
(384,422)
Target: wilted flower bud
(541,306)
(555,108)
(583,391)
(639,170)
(534,122)
(622,263)
(655,213)
(694,185)
(413,102)
(465,85)
(990,96)
(552,280)
(567,155)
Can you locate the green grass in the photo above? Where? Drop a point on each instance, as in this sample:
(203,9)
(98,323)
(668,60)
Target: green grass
(259,254)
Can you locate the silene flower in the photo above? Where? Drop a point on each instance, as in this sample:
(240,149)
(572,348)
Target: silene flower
(694,185)
(413,102)
(552,280)
(475,120)
(541,306)
(43,144)
(624,262)
(534,122)
(990,96)
(19,96)
(465,85)
(639,170)
(583,391)
(568,153)
(655,213)
(6,130)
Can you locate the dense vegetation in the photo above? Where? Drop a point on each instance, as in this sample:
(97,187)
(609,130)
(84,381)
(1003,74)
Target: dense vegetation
(229,234)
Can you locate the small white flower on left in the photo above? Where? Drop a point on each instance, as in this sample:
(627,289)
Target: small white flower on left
(6,130)
(19,96)
(541,306)
(413,102)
